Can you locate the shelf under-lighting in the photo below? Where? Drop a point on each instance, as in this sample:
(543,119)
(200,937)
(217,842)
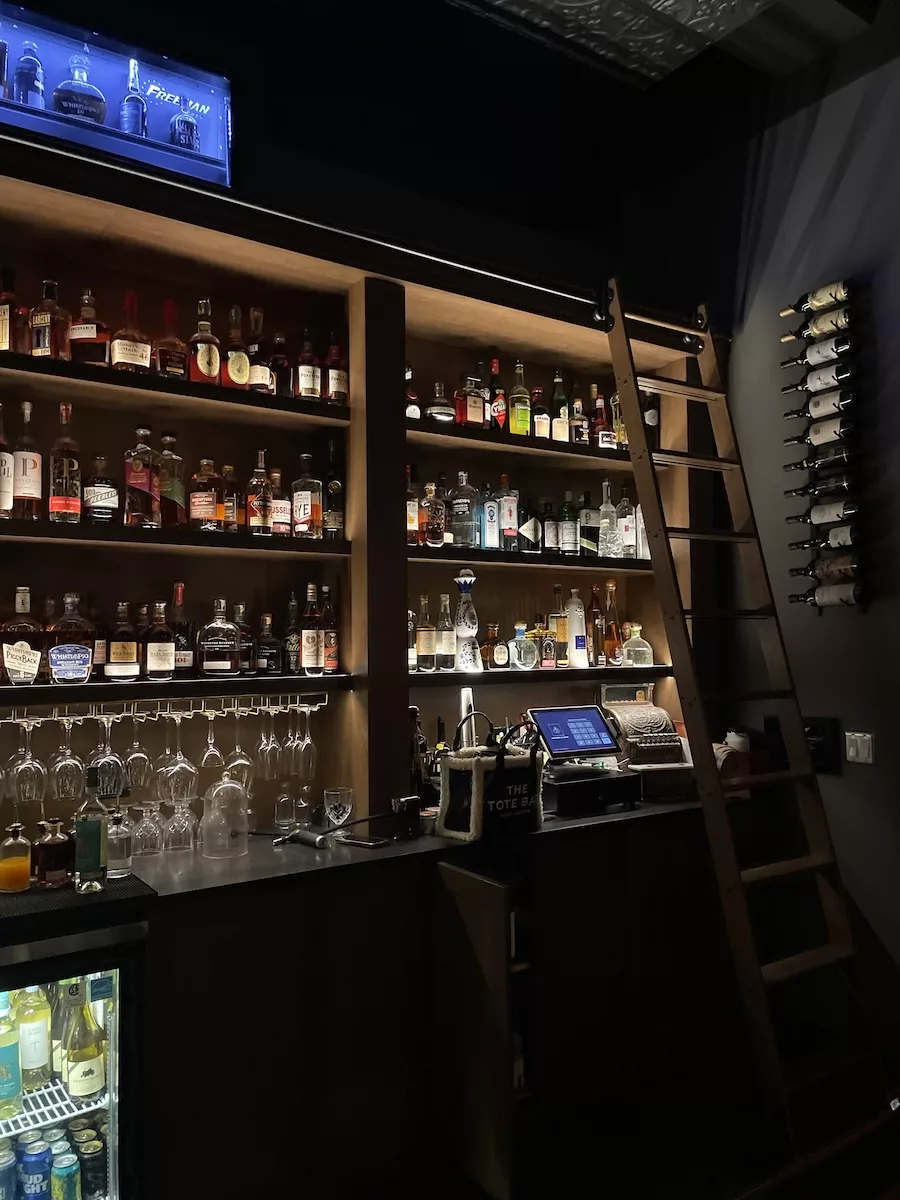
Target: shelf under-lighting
(562,676)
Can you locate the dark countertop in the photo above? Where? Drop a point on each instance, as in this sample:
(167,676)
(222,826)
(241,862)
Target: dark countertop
(39,913)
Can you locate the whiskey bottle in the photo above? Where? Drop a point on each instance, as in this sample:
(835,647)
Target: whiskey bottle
(6,474)
(282,373)
(445,637)
(259,499)
(821,379)
(834,456)
(836,537)
(332,498)
(499,411)
(71,630)
(141,625)
(27,473)
(204,359)
(219,645)
(169,351)
(824,486)
(560,410)
(49,325)
(88,336)
(433,519)
(520,404)
(413,504)
(426,639)
(158,650)
(130,348)
(172,509)
(312,635)
(77,97)
(22,638)
(579,433)
(540,415)
(830,595)
(248,640)
(595,628)
(235,506)
(122,659)
(184,636)
(306,501)
(281,506)
(824,324)
(308,377)
(236,363)
(292,637)
(331,643)
(335,379)
(268,649)
(829,570)
(100,638)
(825,514)
(612,637)
(183,130)
(508,499)
(439,408)
(821,432)
(64,501)
(142,508)
(207,499)
(11,332)
(133,107)
(826,404)
(822,298)
(260,372)
(28,78)
(100,496)
(821,352)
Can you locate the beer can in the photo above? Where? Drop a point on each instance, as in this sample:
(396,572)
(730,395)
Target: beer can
(8,1170)
(103,1130)
(65,1178)
(78,1123)
(34,1170)
(92,1157)
(26,1139)
(52,1135)
(61,1147)
(6,1144)
(80,1136)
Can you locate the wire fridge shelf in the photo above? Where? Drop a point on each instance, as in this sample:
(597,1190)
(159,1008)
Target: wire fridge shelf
(49,1105)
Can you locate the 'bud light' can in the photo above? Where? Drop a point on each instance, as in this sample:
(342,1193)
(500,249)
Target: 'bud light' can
(34,1170)
(65,1178)
(8,1172)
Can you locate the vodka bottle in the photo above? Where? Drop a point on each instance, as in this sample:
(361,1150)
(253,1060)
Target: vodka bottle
(610,540)
(578,655)
(626,526)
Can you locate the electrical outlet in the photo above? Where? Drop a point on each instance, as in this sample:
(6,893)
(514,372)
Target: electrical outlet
(859,747)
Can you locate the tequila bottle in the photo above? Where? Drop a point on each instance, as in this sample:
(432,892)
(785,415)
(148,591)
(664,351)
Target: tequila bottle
(577,633)
(636,652)
(494,651)
(609,543)
(468,657)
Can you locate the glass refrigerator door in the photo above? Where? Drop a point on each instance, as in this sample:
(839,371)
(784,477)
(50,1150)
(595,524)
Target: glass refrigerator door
(59,1086)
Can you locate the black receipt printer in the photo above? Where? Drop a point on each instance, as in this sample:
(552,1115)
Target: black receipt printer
(581,773)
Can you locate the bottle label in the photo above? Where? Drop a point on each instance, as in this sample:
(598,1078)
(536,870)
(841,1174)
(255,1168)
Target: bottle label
(331,650)
(86,1078)
(170,362)
(531,531)
(309,381)
(260,377)
(203,506)
(826,405)
(501,655)
(27,475)
(292,652)
(140,477)
(426,642)
(446,643)
(312,649)
(560,428)
(821,352)
(302,511)
(65,504)
(412,512)
(842,535)
(7,473)
(171,486)
(160,656)
(184,659)
(562,628)
(626,528)
(205,361)
(541,425)
(475,409)
(135,354)
(78,332)
(121,652)
(822,378)
(825,431)
(825,514)
(70,663)
(269,660)
(568,537)
(498,409)
(490,538)
(21,662)
(281,516)
(259,511)
(841,567)
(100,497)
(825,297)
(10,1072)
(333,519)
(5,330)
(237,367)
(509,515)
(520,421)
(836,593)
(127,669)
(338,382)
(99,651)
(34,1043)
(551,534)
(90,843)
(832,322)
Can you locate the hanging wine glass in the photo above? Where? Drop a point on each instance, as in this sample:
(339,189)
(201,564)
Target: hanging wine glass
(65,769)
(212,758)
(28,776)
(181,776)
(305,759)
(110,766)
(138,766)
(160,764)
(238,762)
(268,749)
(11,762)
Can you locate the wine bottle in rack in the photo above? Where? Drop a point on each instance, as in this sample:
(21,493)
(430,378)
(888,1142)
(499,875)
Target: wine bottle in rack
(823,487)
(825,324)
(833,456)
(834,539)
(822,378)
(822,298)
(821,432)
(828,570)
(821,352)
(825,514)
(824,404)
(829,595)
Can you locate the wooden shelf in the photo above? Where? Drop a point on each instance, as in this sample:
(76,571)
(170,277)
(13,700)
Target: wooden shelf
(174,541)
(452,556)
(561,454)
(176,689)
(59,380)
(561,676)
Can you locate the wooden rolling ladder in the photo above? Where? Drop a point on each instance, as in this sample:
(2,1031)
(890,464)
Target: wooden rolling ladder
(757,979)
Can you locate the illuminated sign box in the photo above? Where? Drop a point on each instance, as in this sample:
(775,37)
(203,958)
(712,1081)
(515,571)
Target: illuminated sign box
(78,87)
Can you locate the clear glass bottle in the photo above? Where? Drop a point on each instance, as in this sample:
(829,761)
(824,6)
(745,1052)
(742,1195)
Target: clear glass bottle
(612,636)
(169,352)
(520,404)
(259,499)
(88,336)
(49,323)
(204,352)
(248,640)
(33,1020)
(15,860)
(158,646)
(207,499)
(77,97)
(90,837)
(494,651)
(626,526)
(642,544)
(524,652)
(10,1059)
(142,507)
(609,538)
(411,660)
(446,637)
(183,130)
(508,499)
(84,1066)
(312,635)
(576,630)
(119,846)
(64,502)
(637,652)
(426,639)
(595,628)
(434,517)
(306,501)
(569,535)
(235,510)
(308,376)
(530,529)
(219,644)
(439,407)
(133,106)
(130,348)
(463,509)
(281,505)
(236,361)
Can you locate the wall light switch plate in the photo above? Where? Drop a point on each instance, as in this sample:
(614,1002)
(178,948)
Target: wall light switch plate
(859,747)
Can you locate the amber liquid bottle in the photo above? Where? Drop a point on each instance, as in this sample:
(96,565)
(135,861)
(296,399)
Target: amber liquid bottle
(130,348)
(205,363)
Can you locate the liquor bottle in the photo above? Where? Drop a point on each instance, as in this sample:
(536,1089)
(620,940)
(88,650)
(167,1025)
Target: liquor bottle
(549,529)
(603,436)
(499,410)
(281,505)
(569,537)
(829,595)
(312,635)
(90,841)
(520,404)
(637,651)
(559,410)
(821,432)
(588,527)
(204,358)
(10,1053)
(529,528)
(332,497)
(260,371)
(292,637)
(439,408)
(579,431)
(821,352)
(558,624)
(88,336)
(470,404)
(158,646)
(615,408)
(433,523)
(235,509)
(577,632)
(836,537)
(27,473)
(130,348)
(141,625)
(235,361)
(64,501)
(173,513)
(413,408)
(207,499)
(445,637)
(508,499)
(49,324)
(14,333)
(259,499)
(625,525)
(609,540)
(331,656)
(825,514)
(98,642)
(54,859)
(413,501)
(183,130)
(15,874)
(825,404)
(169,351)
(463,510)
(22,638)
(76,96)
(489,519)
(821,379)
(485,386)
(640,529)
(268,649)
(540,414)
(824,324)
(823,297)
(133,107)
(308,376)
(833,456)
(123,662)
(824,486)
(184,636)
(100,496)
(142,508)
(248,640)
(426,639)
(119,841)
(595,627)
(281,372)
(410,640)
(493,650)
(650,410)
(28,79)
(829,570)
(306,501)
(84,1066)
(219,644)
(612,637)
(335,379)
(33,1020)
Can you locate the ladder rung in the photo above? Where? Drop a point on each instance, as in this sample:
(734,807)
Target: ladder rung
(677,387)
(701,462)
(710,535)
(743,783)
(787,866)
(728,614)
(725,697)
(783,969)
